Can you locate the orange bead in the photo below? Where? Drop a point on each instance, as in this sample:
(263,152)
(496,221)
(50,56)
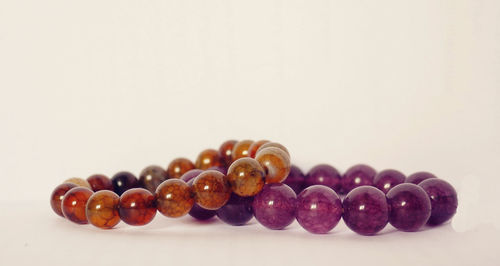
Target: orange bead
(275,162)
(174,198)
(240,149)
(208,158)
(226,152)
(102,209)
(74,203)
(178,167)
(246,177)
(58,195)
(211,190)
(137,206)
(273,144)
(252,150)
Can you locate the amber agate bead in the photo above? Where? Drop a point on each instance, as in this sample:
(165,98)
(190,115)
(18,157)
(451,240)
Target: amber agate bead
(241,148)
(73,204)
(252,150)
(246,177)
(275,162)
(226,152)
(99,182)
(207,158)
(211,190)
(137,206)
(151,177)
(174,198)
(58,195)
(102,209)
(178,167)
(79,182)
(275,145)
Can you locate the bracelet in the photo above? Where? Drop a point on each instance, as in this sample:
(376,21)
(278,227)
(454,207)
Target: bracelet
(246,179)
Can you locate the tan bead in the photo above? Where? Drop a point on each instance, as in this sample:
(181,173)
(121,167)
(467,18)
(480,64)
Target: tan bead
(79,182)
(174,198)
(246,177)
(275,162)
(273,144)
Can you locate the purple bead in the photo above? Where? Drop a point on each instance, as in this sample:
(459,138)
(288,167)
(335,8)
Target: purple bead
(356,176)
(197,211)
(275,206)
(365,210)
(295,179)
(324,174)
(237,211)
(219,168)
(418,177)
(410,207)
(124,181)
(319,209)
(387,179)
(443,198)
(191,174)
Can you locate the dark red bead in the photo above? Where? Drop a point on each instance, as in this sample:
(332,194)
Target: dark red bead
(324,174)
(74,204)
(137,206)
(387,179)
(124,181)
(226,152)
(100,182)
(410,207)
(57,196)
(366,211)
(356,176)
(443,198)
(418,177)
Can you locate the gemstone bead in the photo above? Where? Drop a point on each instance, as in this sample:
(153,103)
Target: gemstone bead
(356,176)
(137,206)
(246,177)
(78,181)
(241,148)
(198,212)
(275,145)
(57,196)
(275,206)
(191,174)
(365,210)
(387,179)
(276,164)
(418,177)
(319,209)
(410,207)
(324,174)
(295,179)
(151,177)
(226,152)
(207,158)
(237,211)
(219,168)
(178,167)
(99,182)
(211,189)
(102,209)
(174,198)
(123,181)
(252,150)
(73,204)
(443,199)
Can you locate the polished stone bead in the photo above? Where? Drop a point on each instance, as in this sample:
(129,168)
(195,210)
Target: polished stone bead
(73,204)
(275,206)
(137,206)
(319,209)
(198,212)
(78,181)
(387,179)
(99,182)
(211,189)
(366,211)
(57,196)
(207,158)
(123,181)
(356,176)
(275,145)
(246,177)
(295,179)
(219,168)
(237,211)
(443,199)
(324,174)
(178,167)
(276,164)
(174,198)
(241,148)
(151,177)
(410,207)
(418,177)
(252,150)
(226,152)
(102,209)
(191,174)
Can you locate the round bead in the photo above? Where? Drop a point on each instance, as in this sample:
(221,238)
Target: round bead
(237,211)
(356,176)
(252,150)
(276,164)
(211,189)
(226,152)
(178,167)
(365,210)
(79,182)
(57,196)
(174,198)
(137,206)
(387,179)
(443,199)
(73,204)
(275,145)
(198,212)
(191,174)
(219,168)
(102,209)
(151,177)
(295,179)
(246,177)
(319,209)
(324,174)
(410,207)
(99,182)
(275,206)
(123,181)
(207,158)
(418,177)
(241,148)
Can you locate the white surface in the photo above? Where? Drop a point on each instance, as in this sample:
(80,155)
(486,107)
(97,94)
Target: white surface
(107,86)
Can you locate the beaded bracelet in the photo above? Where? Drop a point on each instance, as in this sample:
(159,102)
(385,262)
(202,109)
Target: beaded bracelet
(245,179)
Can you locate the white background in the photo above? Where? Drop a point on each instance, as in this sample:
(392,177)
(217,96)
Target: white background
(102,86)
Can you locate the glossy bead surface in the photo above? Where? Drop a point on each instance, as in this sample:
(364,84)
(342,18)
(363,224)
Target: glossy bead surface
(211,190)
(57,196)
(74,203)
(174,198)
(226,152)
(241,148)
(178,167)
(78,181)
(319,209)
(276,164)
(246,177)
(443,199)
(151,177)
(295,179)
(356,176)
(252,150)
(237,211)
(418,177)
(410,207)
(275,206)
(207,158)
(191,174)
(102,209)
(123,181)
(198,212)
(365,210)
(99,182)
(219,168)
(324,174)
(137,206)
(387,179)
(275,145)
